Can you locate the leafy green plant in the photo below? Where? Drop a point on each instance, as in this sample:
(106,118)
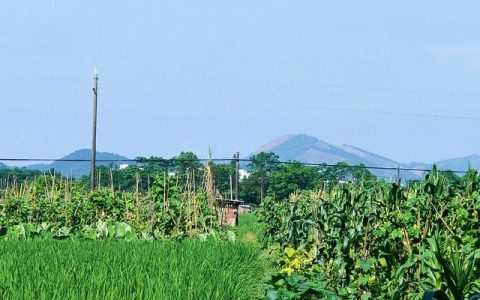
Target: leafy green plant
(173,206)
(299,285)
(372,238)
(456,268)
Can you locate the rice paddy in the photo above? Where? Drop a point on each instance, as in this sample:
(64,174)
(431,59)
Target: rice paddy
(73,269)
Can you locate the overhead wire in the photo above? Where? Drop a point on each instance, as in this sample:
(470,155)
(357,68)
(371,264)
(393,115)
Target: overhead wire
(340,109)
(172,160)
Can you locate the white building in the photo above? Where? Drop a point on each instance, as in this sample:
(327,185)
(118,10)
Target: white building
(243,174)
(122,166)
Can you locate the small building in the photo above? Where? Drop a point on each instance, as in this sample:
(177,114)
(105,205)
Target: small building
(229,210)
(243,174)
(243,209)
(123,166)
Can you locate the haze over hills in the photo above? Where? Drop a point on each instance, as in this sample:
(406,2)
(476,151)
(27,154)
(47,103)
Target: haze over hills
(78,169)
(304,148)
(309,149)
(298,147)
(456,164)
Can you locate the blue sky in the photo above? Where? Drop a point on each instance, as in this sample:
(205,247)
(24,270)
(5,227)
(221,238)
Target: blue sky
(225,75)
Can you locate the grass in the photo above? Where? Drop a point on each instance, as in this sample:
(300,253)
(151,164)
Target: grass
(72,269)
(248,229)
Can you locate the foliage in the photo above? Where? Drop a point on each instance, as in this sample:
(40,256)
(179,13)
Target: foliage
(49,269)
(270,178)
(293,177)
(15,176)
(187,161)
(222,173)
(302,285)
(248,230)
(261,166)
(455,267)
(169,208)
(342,172)
(372,238)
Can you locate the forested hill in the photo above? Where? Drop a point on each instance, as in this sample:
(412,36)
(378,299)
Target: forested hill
(297,147)
(78,169)
(309,149)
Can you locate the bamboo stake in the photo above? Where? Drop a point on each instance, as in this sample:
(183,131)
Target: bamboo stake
(111,183)
(99,179)
(46,185)
(195,213)
(164,192)
(137,179)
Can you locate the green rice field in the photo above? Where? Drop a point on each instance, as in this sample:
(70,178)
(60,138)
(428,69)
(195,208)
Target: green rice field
(73,269)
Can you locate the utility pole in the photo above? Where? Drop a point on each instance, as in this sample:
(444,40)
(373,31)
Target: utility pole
(237,173)
(94,131)
(399,180)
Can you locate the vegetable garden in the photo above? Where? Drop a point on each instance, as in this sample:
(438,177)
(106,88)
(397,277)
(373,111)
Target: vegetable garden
(311,237)
(375,240)
(172,207)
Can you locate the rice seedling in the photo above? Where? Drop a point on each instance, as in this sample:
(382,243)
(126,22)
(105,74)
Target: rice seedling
(72,269)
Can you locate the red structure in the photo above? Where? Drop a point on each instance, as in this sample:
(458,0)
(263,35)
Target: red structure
(229,211)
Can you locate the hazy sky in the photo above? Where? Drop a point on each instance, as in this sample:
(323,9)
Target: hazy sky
(231,75)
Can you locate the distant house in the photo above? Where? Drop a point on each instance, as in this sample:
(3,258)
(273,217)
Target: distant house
(243,174)
(242,209)
(122,166)
(229,210)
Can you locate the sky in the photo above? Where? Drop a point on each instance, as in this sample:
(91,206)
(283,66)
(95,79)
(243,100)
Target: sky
(397,78)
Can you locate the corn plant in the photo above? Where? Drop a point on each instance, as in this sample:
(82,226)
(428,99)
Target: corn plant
(373,240)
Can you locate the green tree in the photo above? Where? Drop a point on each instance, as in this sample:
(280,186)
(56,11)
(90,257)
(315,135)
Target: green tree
(293,177)
(155,164)
(10,176)
(360,172)
(262,165)
(344,172)
(222,173)
(187,161)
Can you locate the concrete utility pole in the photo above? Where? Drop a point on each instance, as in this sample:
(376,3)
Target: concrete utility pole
(237,173)
(94,132)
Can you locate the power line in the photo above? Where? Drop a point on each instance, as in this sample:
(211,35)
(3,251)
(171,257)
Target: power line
(173,160)
(301,83)
(331,108)
(386,112)
(340,109)
(359,87)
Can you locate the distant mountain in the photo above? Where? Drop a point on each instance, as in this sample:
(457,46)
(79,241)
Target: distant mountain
(298,147)
(78,169)
(308,149)
(3,166)
(454,164)
(460,163)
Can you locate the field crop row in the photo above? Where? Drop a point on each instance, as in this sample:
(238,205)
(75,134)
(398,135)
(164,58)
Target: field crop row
(373,239)
(71,269)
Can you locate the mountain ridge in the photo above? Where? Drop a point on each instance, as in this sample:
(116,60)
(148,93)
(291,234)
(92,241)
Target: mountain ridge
(298,147)
(309,149)
(79,168)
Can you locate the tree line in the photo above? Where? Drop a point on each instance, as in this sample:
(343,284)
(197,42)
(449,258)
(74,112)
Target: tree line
(267,175)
